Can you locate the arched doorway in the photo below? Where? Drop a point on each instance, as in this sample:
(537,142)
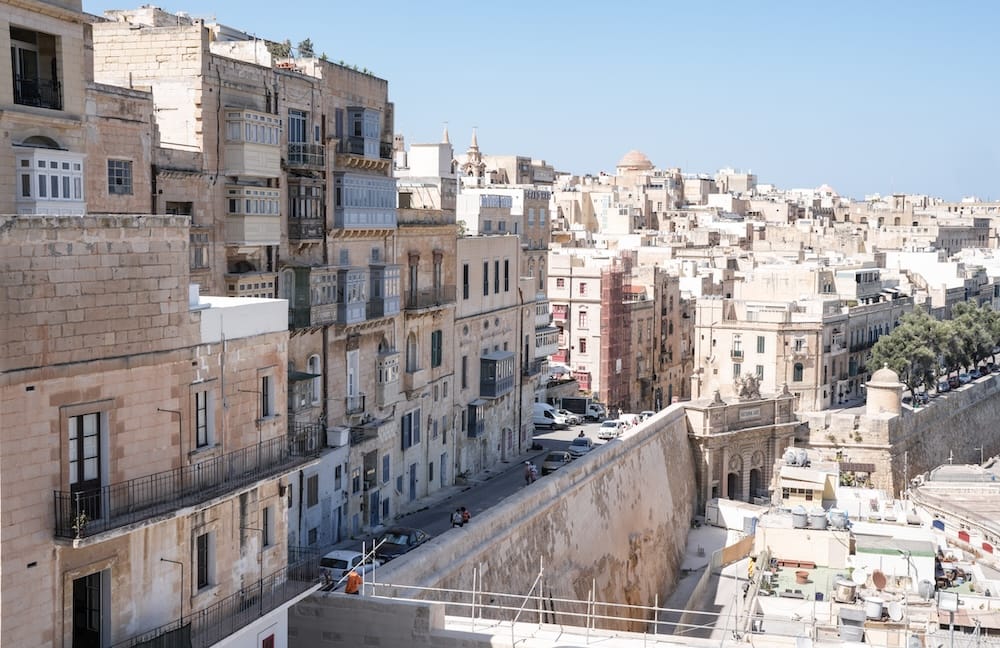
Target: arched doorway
(734,484)
(756,480)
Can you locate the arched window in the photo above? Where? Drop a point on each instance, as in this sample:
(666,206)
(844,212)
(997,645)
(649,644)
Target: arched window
(541,275)
(797,372)
(316,388)
(531,267)
(411,353)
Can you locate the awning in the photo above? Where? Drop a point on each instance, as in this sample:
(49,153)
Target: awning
(296,376)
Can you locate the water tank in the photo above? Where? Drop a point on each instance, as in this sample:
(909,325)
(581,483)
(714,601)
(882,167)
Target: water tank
(873,607)
(817,518)
(926,589)
(938,524)
(800,519)
(789,457)
(844,592)
(801,457)
(896,611)
(838,518)
(852,624)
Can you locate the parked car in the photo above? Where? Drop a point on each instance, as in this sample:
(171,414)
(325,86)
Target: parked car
(611,429)
(943,386)
(555,460)
(964,378)
(646,414)
(396,541)
(572,418)
(561,421)
(976,374)
(953,382)
(336,564)
(581,446)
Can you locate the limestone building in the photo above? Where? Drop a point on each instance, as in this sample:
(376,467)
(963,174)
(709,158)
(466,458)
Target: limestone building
(146,455)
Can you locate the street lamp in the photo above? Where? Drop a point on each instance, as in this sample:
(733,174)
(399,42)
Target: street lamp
(181,565)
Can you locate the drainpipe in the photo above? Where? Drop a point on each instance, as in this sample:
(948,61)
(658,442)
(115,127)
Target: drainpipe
(520,383)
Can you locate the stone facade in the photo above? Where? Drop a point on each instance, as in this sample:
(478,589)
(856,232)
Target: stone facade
(125,398)
(737,444)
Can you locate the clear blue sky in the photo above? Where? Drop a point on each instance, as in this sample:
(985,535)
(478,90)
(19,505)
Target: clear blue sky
(866,96)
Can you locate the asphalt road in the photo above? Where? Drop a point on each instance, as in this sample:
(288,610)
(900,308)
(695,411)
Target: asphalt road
(507,479)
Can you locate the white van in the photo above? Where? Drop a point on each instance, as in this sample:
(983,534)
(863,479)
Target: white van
(543,415)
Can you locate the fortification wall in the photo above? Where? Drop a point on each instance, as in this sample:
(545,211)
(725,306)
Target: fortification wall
(617,517)
(953,427)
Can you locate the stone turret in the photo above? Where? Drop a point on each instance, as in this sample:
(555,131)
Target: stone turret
(885,393)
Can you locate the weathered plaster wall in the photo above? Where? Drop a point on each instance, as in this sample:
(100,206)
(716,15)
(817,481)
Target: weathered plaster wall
(618,516)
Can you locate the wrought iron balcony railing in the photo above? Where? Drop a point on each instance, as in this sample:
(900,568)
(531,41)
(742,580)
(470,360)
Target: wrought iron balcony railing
(86,513)
(430,297)
(44,93)
(213,624)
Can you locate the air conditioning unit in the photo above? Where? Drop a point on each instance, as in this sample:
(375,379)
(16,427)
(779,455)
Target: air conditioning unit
(338,436)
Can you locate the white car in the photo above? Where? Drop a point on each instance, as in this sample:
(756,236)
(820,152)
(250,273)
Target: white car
(571,418)
(338,563)
(611,429)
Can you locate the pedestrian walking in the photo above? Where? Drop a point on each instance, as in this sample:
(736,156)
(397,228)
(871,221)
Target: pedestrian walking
(534,472)
(466,515)
(353,583)
(456,518)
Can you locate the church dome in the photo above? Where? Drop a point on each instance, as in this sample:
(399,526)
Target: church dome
(635,161)
(885,376)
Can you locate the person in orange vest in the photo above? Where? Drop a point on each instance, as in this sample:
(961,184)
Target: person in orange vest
(466,516)
(353,583)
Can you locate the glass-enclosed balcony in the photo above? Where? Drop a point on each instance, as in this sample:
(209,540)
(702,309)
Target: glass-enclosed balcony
(546,342)
(496,374)
(352,295)
(313,296)
(253,144)
(253,216)
(364,202)
(305,155)
(384,285)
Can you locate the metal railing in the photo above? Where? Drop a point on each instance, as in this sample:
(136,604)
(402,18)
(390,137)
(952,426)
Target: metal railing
(302,154)
(533,368)
(86,513)
(209,626)
(430,297)
(300,229)
(44,93)
(736,353)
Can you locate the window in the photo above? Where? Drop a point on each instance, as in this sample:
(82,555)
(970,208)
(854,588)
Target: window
(797,372)
(313,536)
(581,319)
(760,372)
(531,215)
(312,491)
(385,469)
(737,369)
(205,556)
(338,476)
(202,422)
(541,215)
(266,397)
(465,281)
(560,282)
(356,480)
(200,239)
(465,372)
(486,278)
(430,472)
(437,340)
(266,520)
(316,384)
(34,58)
(760,344)
(583,345)
(496,277)
(583,287)
(410,429)
(119,177)
(411,353)
(506,275)
(85,465)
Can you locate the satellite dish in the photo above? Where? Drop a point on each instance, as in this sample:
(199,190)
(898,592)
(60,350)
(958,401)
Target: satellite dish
(859,576)
(878,580)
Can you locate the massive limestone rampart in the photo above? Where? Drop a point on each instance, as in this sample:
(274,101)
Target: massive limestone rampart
(617,518)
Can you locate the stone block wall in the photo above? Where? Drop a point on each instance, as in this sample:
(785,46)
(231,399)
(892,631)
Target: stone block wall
(76,289)
(618,516)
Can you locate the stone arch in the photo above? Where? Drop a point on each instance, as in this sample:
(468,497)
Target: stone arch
(41,141)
